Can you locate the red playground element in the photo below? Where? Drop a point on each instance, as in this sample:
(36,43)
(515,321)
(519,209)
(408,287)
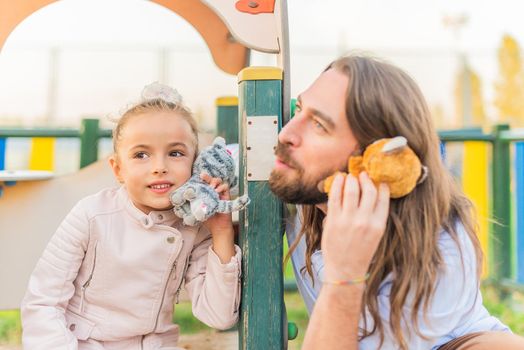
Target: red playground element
(255,6)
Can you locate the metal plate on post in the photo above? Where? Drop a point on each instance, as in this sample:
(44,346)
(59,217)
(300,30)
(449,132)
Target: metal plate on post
(261,141)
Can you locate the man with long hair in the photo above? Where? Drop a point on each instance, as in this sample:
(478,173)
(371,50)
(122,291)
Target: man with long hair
(381,273)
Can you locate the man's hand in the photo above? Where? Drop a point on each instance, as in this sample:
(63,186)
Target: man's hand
(355,223)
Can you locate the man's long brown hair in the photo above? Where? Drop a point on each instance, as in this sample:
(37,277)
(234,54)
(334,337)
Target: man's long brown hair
(383,101)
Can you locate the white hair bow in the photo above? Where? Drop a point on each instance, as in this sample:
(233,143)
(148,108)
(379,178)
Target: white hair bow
(157,90)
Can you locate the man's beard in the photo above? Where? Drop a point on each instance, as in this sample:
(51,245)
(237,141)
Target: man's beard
(297,189)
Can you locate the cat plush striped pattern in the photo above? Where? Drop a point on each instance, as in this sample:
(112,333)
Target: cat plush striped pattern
(196,201)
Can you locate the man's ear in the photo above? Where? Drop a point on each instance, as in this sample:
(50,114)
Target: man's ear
(115,166)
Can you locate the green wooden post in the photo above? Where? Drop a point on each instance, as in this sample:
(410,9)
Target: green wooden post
(88,142)
(261,227)
(500,238)
(293,107)
(227,118)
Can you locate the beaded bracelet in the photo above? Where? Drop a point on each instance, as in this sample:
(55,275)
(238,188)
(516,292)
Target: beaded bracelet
(348,282)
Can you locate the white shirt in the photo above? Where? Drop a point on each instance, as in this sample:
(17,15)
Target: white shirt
(456,307)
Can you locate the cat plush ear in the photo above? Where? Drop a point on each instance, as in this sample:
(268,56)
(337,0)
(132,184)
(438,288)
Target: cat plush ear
(219,141)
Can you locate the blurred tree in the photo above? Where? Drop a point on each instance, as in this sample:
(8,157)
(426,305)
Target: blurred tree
(469,101)
(509,89)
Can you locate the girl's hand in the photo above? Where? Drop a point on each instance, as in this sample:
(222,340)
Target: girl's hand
(355,223)
(218,222)
(221,225)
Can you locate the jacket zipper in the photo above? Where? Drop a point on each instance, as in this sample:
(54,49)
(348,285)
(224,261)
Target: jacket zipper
(86,284)
(173,268)
(182,280)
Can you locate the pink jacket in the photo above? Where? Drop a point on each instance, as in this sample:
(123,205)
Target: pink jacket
(110,275)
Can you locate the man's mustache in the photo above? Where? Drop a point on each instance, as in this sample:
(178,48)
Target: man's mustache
(282,152)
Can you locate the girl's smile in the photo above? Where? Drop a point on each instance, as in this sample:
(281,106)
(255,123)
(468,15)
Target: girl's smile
(161,187)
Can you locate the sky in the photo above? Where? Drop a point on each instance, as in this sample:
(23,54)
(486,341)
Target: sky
(107,50)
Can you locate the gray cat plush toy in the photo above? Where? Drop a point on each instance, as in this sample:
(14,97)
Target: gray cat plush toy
(195,201)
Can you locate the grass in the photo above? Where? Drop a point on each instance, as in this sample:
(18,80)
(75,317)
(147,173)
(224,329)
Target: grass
(297,313)
(187,322)
(10,328)
(509,311)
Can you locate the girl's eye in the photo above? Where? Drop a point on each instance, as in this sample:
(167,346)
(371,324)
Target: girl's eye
(140,155)
(176,154)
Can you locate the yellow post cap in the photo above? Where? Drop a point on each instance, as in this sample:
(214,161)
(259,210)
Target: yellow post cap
(226,101)
(260,73)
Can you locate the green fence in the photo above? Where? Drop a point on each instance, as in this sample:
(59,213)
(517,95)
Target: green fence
(89,135)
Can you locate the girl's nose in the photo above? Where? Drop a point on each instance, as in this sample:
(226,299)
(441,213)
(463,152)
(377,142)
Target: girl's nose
(160,170)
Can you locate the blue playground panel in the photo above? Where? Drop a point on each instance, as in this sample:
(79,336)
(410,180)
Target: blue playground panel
(2,152)
(519,174)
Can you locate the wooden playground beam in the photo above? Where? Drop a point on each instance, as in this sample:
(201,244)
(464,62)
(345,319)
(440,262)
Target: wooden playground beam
(229,55)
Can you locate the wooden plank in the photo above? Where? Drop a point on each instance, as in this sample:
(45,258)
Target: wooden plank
(227,118)
(500,242)
(261,230)
(89,136)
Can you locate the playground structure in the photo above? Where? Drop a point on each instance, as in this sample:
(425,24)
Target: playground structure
(30,211)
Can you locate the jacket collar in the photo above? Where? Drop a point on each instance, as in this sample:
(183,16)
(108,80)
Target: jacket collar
(165,217)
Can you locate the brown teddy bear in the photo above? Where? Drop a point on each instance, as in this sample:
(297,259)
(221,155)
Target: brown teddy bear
(390,161)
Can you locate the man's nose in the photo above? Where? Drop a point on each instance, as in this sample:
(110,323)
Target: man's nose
(290,133)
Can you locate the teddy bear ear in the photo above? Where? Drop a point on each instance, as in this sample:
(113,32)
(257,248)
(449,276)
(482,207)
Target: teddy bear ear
(424,175)
(394,143)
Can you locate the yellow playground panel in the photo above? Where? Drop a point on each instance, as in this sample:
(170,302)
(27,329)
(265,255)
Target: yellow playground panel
(475,184)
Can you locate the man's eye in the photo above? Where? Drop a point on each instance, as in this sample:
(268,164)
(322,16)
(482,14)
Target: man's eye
(140,155)
(319,125)
(176,154)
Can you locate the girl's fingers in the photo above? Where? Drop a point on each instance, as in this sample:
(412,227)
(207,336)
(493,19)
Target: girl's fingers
(214,182)
(206,177)
(368,198)
(335,194)
(222,188)
(351,193)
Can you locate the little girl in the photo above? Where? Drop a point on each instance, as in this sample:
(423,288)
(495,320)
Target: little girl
(111,273)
